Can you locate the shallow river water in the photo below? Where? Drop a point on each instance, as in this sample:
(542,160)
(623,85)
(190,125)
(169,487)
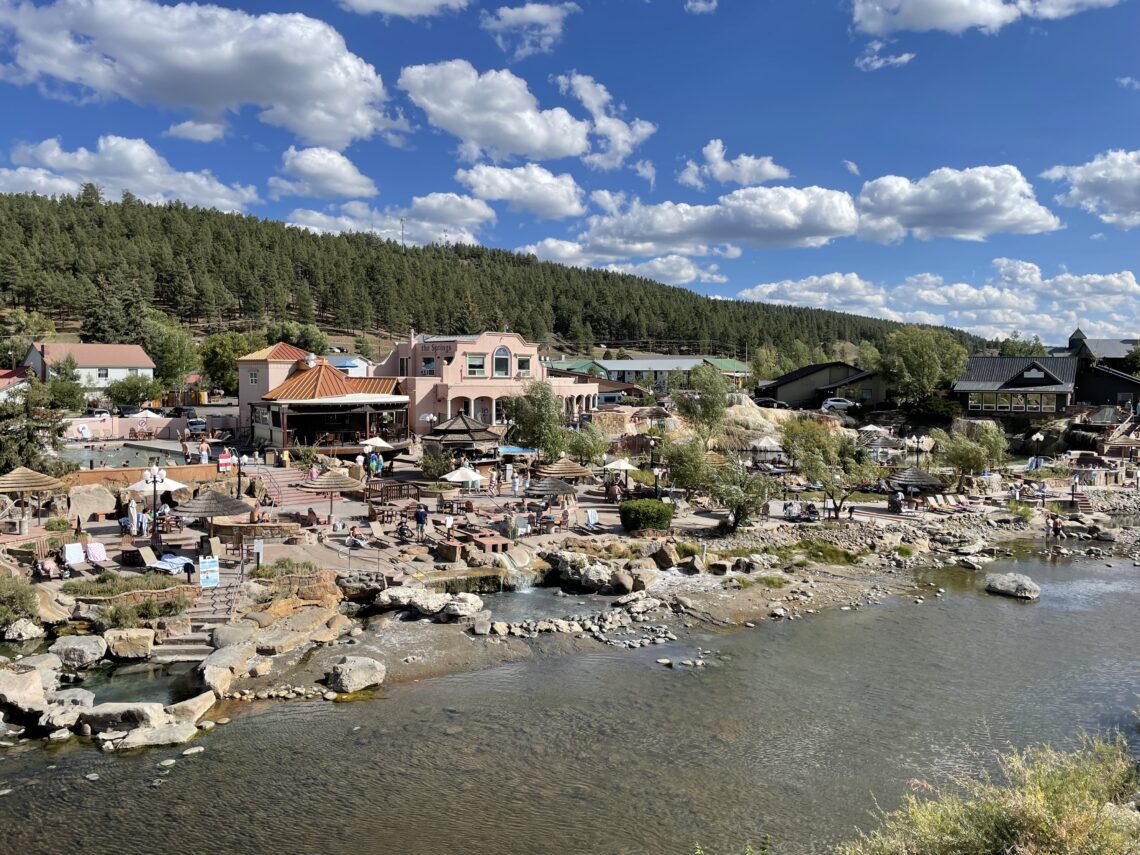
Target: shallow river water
(796,730)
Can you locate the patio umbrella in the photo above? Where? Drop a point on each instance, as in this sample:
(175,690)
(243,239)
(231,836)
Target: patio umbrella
(212,504)
(462,475)
(552,487)
(145,489)
(766,443)
(564,468)
(377,444)
(913,477)
(24,481)
(147,414)
(333,481)
(621,465)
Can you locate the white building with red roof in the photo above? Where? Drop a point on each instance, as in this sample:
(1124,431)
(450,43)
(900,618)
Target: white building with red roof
(99,364)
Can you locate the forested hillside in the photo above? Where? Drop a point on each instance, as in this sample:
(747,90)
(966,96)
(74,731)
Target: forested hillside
(60,256)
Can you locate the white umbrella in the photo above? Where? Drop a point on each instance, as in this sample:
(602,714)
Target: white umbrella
(873,429)
(376,443)
(147,414)
(146,488)
(621,465)
(462,475)
(767,443)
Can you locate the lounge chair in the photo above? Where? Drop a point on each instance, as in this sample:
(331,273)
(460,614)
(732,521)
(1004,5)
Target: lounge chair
(216,550)
(378,533)
(74,559)
(522,525)
(933,505)
(591,520)
(149,559)
(97,556)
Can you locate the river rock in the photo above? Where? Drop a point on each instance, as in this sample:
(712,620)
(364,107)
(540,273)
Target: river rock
(23,629)
(191,709)
(47,665)
(666,557)
(129,643)
(354,673)
(692,565)
(23,690)
(79,651)
(463,605)
(81,698)
(500,628)
(219,669)
(481,627)
(149,737)
(229,634)
(1106,535)
(640,564)
(643,577)
(720,568)
(112,716)
(428,602)
(1012,585)
(622,582)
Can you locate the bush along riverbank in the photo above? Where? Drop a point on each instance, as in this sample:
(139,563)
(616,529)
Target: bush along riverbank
(1042,802)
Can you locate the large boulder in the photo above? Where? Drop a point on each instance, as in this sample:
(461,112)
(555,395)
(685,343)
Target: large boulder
(167,734)
(129,643)
(229,634)
(692,565)
(89,499)
(23,630)
(1012,585)
(666,557)
(22,689)
(80,698)
(112,716)
(219,669)
(79,651)
(354,673)
(191,709)
(428,602)
(622,582)
(48,666)
(463,605)
(643,577)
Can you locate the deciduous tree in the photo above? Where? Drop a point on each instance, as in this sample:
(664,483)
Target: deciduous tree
(920,359)
(704,403)
(537,417)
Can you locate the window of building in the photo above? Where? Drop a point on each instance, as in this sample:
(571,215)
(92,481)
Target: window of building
(1033,403)
(502,362)
(989,400)
(1003,401)
(477,364)
(524,366)
(867,394)
(403,366)
(103,373)
(253,378)
(975,401)
(134,372)
(427,367)
(1018,402)
(1048,403)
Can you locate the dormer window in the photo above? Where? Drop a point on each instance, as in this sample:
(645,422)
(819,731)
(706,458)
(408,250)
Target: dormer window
(502,362)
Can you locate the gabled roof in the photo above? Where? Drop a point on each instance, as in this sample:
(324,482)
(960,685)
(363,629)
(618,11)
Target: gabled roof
(373,385)
(806,371)
(1117,375)
(10,377)
(1110,348)
(462,430)
(280,352)
(724,364)
(320,381)
(847,381)
(579,366)
(656,363)
(95,355)
(1077,334)
(1001,373)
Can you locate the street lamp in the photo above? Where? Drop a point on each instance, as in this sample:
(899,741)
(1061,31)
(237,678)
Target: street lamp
(1037,439)
(154,477)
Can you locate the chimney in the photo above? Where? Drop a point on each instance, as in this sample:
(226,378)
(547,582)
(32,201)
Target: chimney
(43,362)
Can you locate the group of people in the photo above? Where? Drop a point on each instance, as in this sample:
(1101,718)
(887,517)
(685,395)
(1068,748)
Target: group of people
(203,451)
(1054,528)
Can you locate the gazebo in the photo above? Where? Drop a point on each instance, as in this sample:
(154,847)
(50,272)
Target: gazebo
(24,482)
(564,468)
(464,433)
(913,480)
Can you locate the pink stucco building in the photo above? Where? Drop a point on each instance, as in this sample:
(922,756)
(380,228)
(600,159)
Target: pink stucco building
(445,375)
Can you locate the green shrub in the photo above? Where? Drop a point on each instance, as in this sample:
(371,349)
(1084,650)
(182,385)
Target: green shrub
(816,550)
(640,476)
(688,548)
(1050,802)
(148,609)
(176,605)
(110,583)
(119,616)
(284,567)
(57,524)
(17,600)
(640,514)
(1022,512)
(772,581)
(904,551)
(435,463)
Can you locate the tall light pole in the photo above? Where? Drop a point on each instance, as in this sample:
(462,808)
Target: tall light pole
(1037,439)
(155,476)
(914,442)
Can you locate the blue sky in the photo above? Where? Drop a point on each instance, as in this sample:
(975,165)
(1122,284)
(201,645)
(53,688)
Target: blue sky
(969,162)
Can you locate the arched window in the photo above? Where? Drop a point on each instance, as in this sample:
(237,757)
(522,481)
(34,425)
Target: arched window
(502,362)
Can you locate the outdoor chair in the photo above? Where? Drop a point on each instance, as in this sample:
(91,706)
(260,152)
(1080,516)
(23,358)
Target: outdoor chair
(591,520)
(378,533)
(74,559)
(215,547)
(97,556)
(149,559)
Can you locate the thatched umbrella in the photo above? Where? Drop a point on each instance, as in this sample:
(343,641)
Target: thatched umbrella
(564,468)
(24,481)
(552,487)
(212,504)
(333,481)
(913,478)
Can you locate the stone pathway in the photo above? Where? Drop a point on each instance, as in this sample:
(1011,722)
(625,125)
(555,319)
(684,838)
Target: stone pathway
(214,607)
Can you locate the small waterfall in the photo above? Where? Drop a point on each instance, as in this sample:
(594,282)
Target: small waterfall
(512,576)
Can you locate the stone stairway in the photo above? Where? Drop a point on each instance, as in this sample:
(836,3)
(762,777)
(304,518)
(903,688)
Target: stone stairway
(214,607)
(1083,504)
(281,485)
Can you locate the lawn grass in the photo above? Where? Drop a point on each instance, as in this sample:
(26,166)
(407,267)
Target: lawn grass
(109,584)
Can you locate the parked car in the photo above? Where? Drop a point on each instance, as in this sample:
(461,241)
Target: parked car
(837,404)
(97,413)
(196,426)
(772,404)
(128,411)
(182,413)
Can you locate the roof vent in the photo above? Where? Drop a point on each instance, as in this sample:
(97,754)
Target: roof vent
(311,360)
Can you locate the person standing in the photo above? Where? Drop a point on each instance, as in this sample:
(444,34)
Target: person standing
(515,484)
(203,452)
(421,523)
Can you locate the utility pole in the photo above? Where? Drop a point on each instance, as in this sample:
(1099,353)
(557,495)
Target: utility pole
(404,245)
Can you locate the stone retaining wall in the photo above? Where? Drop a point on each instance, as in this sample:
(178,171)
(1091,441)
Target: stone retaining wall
(133,598)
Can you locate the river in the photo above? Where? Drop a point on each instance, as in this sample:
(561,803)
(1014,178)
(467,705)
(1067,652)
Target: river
(794,730)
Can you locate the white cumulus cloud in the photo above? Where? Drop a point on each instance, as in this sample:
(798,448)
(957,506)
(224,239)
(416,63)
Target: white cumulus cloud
(526,188)
(529,29)
(645,169)
(880,17)
(744,169)
(842,292)
(672,270)
(618,137)
(851,166)
(197,131)
(207,59)
(435,218)
(320,173)
(1128,83)
(119,164)
(493,112)
(1107,186)
(404,8)
(700,7)
(967,204)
